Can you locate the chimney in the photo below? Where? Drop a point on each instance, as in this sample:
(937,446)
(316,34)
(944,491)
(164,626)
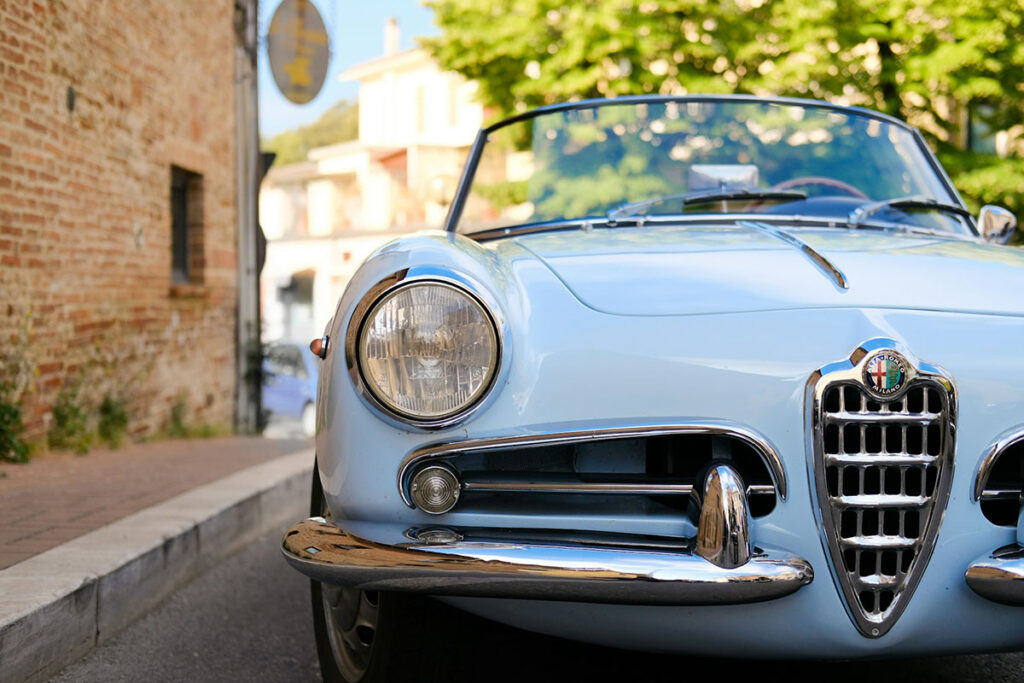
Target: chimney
(392,38)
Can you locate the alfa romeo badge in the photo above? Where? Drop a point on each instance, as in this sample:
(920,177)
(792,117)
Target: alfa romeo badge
(885,373)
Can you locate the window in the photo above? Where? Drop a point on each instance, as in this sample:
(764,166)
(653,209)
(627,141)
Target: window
(186,227)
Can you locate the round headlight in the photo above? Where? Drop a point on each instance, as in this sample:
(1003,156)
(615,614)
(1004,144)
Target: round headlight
(428,350)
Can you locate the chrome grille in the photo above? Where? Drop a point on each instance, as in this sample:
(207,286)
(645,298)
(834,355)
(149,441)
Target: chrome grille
(882,467)
(643,470)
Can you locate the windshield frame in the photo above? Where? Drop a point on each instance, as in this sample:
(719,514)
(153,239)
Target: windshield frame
(476,151)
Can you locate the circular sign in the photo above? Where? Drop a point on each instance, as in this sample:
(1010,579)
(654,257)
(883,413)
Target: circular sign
(298,48)
(885,373)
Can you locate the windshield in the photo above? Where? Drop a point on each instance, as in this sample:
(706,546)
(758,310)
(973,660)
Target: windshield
(681,158)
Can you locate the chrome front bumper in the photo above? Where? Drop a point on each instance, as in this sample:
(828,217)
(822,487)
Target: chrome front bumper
(602,568)
(999,576)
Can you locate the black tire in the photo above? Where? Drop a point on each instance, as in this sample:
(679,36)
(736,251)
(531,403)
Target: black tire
(405,642)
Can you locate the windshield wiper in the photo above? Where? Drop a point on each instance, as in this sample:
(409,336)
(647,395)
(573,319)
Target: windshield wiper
(860,214)
(695,198)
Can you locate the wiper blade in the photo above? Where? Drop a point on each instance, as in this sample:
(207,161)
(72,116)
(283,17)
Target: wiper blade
(862,213)
(695,198)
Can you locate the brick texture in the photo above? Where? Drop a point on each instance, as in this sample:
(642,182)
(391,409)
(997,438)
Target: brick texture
(85,228)
(62,496)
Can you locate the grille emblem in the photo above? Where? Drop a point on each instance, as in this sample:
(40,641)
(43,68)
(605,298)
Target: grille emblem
(885,374)
(882,431)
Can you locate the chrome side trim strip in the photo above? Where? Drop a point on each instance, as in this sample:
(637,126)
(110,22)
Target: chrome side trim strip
(830,270)
(769,455)
(557,484)
(1004,442)
(467,562)
(1002,494)
(999,577)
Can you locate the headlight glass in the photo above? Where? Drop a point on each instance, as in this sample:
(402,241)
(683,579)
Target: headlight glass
(428,350)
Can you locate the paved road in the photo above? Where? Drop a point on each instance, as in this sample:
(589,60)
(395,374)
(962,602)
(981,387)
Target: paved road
(249,620)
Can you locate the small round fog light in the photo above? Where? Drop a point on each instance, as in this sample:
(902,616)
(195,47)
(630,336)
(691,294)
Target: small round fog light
(435,489)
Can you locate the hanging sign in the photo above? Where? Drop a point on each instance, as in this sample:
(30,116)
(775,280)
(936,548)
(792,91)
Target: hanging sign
(298,48)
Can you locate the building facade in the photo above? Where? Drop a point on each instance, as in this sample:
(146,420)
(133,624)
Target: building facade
(322,217)
(118,209)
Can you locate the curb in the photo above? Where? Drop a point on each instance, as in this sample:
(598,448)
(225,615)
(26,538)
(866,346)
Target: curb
(57,606)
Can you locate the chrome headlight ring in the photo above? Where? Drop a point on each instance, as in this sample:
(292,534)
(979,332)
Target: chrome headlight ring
(389,286)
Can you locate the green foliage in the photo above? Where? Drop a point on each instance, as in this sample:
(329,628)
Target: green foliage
(338,124)
(179,427)
(984,179)
(18,372)
(176,428)
(70,429)
(12,447)
(503,194)
(930,62)
(922,60)
(113,423)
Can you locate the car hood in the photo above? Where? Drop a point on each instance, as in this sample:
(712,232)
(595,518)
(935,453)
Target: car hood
(694,270)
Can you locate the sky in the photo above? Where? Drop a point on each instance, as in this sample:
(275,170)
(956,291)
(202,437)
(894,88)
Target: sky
(356,30)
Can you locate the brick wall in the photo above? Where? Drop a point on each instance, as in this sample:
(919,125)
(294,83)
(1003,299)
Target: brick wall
(86,296)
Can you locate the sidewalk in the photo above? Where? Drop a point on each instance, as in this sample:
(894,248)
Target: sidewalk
(59,497)
(91,543)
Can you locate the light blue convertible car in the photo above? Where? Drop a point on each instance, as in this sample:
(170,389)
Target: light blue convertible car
(717,375)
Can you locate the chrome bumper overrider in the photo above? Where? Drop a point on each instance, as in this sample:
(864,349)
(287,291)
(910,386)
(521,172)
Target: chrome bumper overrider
(999,576)
(603,568)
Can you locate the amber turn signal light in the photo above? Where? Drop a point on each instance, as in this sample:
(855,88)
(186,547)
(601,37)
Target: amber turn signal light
(319,346)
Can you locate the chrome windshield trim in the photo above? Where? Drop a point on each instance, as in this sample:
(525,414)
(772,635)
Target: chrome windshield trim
(1006,440)
(769,455)
(829,269)
(660,99)
(789,221)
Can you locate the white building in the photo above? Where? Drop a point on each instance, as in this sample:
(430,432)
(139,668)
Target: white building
(322,217)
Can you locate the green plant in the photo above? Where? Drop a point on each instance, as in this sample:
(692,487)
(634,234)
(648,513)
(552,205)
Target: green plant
(12,447)
(179,428)
(176,428)
(18,371)
(113,424)
(924,60)
(338,124)
(504,194)
(70,428)
(986,179)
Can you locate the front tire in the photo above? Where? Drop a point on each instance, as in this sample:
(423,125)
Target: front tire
(374,637)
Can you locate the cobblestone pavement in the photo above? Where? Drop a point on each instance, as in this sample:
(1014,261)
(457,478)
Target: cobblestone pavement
(58,497)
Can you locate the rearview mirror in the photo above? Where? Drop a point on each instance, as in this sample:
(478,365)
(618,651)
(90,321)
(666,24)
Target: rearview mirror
(996,224)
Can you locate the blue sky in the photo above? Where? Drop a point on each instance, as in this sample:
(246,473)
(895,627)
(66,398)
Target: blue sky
(356,29)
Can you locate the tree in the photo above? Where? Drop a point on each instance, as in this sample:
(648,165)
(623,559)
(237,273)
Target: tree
(923,60)
(338,124)
(927,61)
(930,62)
